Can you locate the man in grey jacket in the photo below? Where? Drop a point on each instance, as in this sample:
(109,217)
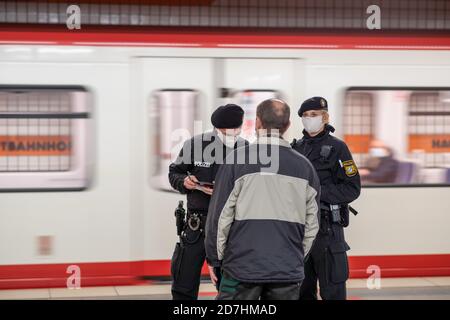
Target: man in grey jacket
(263,214)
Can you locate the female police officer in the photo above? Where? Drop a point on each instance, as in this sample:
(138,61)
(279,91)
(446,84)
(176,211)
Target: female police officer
(198,162)
(340,185)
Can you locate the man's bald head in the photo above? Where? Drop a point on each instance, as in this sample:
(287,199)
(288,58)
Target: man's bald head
(273,114)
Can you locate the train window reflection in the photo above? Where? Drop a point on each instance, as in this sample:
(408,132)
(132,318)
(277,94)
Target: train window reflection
(43,133)
(399,136)
(359,124)
(173,113)
(249,100)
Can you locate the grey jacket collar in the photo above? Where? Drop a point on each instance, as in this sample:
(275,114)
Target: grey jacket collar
(272,138)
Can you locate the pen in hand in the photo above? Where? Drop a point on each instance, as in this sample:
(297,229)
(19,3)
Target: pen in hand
(190,182)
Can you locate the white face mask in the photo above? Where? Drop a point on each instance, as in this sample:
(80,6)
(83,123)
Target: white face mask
(312,124)
(229,139)
(378,152)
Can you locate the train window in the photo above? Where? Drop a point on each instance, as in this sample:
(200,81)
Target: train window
(43,138)
(249,100)
(173,113)
(429,127)
(358,124)
(399,136)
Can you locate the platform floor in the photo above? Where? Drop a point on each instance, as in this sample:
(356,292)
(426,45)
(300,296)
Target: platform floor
(425,288)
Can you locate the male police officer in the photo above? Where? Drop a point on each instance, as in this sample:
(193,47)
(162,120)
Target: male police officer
(340,185)
(193,174)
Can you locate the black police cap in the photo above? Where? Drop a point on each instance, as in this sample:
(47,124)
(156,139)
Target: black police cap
(314,103)
(229,116)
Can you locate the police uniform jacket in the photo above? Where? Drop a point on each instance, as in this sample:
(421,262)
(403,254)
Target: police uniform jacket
(339,178)
(200,164)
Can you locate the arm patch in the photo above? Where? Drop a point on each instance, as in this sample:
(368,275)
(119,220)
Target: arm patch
(350,168)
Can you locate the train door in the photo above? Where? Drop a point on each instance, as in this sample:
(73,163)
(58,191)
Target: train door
(170,96)
(173,99)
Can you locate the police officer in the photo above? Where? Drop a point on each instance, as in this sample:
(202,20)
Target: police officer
(340,185)
(193,174)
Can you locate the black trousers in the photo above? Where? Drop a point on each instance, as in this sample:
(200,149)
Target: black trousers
(186,265)
(327,263)
(187,262)
(232,289)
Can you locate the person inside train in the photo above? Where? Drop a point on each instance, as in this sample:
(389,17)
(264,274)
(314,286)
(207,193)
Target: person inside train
(193,173)
(382,167)
(263,217)
(340,185)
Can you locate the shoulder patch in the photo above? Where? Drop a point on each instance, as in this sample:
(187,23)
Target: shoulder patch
(350,168)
